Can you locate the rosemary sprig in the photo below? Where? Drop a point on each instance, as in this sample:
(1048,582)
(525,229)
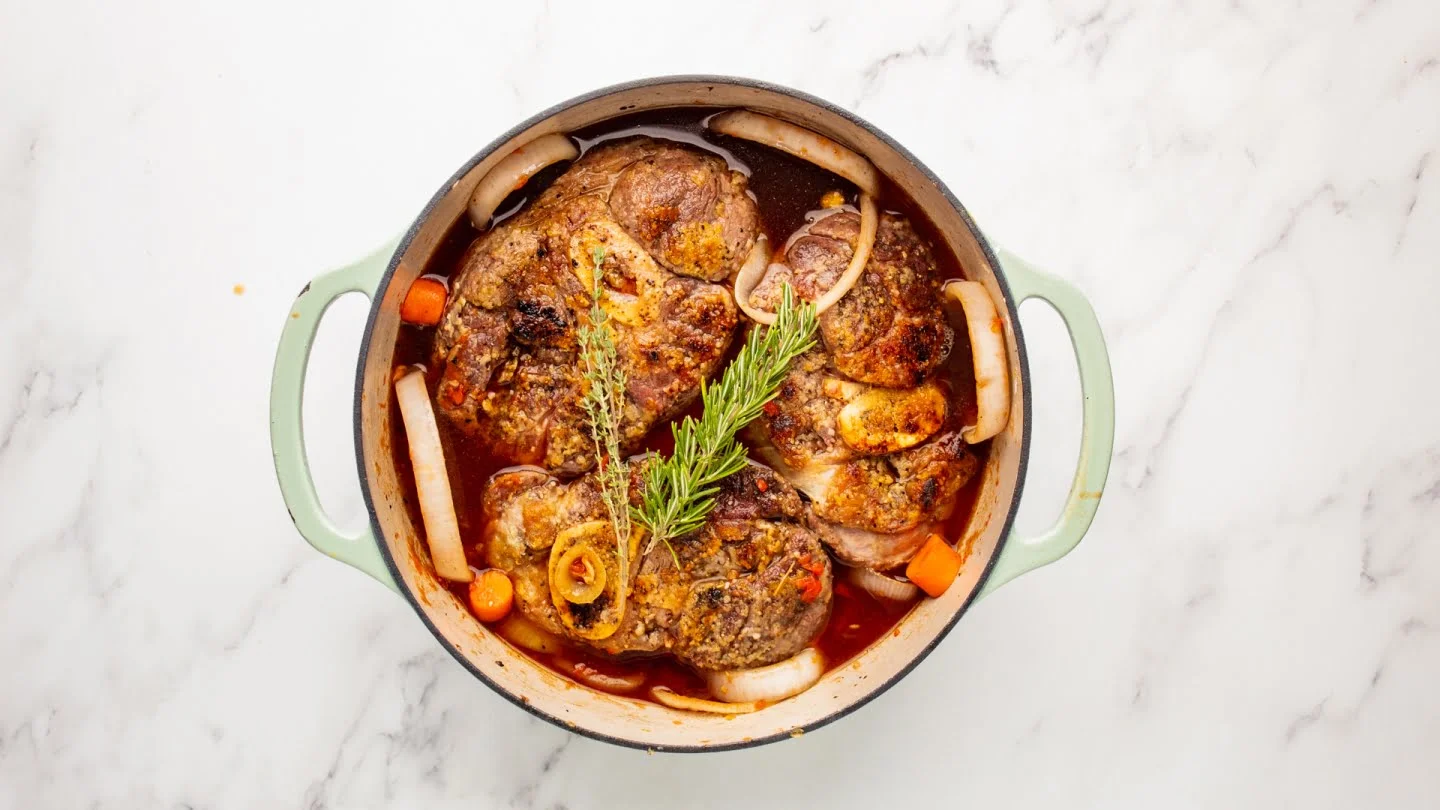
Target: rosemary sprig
(604,405)
(680,491)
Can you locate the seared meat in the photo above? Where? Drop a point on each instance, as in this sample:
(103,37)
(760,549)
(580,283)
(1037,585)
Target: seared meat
(877,508)
(882,465)
(523,512)
(688,210)
(758,579)
(890,329)
(802,421)
(647,210)
(753,586)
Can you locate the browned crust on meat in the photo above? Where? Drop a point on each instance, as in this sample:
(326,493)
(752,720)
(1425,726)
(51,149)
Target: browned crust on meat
(507,347)
(753,587)
(688,209)
(889,331)
(898,492)
(890,328)
(801,421)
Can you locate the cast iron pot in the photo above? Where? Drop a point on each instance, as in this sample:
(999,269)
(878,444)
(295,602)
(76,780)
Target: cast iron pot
(392,551)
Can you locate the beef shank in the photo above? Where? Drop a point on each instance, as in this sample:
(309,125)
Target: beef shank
(865,424)
(658,222)
(752,587)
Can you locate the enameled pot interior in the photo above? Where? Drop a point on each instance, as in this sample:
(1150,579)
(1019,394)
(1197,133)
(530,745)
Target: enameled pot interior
(634,722)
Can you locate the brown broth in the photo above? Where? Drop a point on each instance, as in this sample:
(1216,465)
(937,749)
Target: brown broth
(786,188)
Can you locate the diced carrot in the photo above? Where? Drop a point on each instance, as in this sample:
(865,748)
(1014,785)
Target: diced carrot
(934,566)
(424,303)
(491,595)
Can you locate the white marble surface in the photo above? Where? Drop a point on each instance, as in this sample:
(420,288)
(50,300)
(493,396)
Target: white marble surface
(1248,192)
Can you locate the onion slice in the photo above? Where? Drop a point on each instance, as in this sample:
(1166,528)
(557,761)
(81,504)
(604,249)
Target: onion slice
(675,700)
(869,223)
(882,587)
(595,679)
(514,171)
(754,269)
(432,485)
(768,684)
(749,276)
(987,347)
(800,142)
(522,632)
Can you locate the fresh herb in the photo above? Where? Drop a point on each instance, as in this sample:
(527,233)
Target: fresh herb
(680,491)
(604,405)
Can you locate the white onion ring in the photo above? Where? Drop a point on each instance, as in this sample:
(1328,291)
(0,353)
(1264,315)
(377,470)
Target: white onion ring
(432,483)
(675,700)
(768,684)
(754,269)
(522,632)
(883,587)
(750,274)
(869,223)
(800,142)
(987,348)
(514,171)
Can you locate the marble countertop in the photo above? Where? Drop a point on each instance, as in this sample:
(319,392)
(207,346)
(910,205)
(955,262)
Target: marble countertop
(1248,192)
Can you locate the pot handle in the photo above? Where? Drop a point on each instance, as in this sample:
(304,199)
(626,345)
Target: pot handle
(287,393)
(1097,437)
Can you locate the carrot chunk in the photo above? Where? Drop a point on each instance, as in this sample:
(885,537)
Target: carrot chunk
(491,595)
(424,303)
(934,566)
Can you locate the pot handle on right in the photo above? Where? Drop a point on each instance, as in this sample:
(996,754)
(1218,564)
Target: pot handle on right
(1097,437)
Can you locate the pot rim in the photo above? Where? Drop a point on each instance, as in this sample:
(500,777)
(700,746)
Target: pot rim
(486,151)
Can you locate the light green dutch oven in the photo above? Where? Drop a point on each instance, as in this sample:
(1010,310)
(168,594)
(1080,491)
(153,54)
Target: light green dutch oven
(392,551)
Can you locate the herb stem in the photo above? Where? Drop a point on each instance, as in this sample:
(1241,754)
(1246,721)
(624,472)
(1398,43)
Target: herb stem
(604,405)
(680,491)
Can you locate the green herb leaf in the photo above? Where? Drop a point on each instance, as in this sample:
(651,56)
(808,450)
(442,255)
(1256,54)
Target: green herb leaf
(680,491)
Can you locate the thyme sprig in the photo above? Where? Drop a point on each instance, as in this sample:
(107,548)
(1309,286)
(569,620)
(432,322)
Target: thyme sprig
(604,405)
(680,491)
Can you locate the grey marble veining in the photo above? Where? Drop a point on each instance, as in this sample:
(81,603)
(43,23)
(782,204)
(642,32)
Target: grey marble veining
(1247,192)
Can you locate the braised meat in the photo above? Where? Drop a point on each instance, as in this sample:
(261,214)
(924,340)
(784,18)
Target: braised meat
(878,503)
(863,424)
(655,220)
(752,587)
(890,328)
(688,211)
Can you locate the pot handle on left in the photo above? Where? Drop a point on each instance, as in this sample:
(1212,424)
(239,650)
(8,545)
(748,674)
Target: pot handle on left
(287,435)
